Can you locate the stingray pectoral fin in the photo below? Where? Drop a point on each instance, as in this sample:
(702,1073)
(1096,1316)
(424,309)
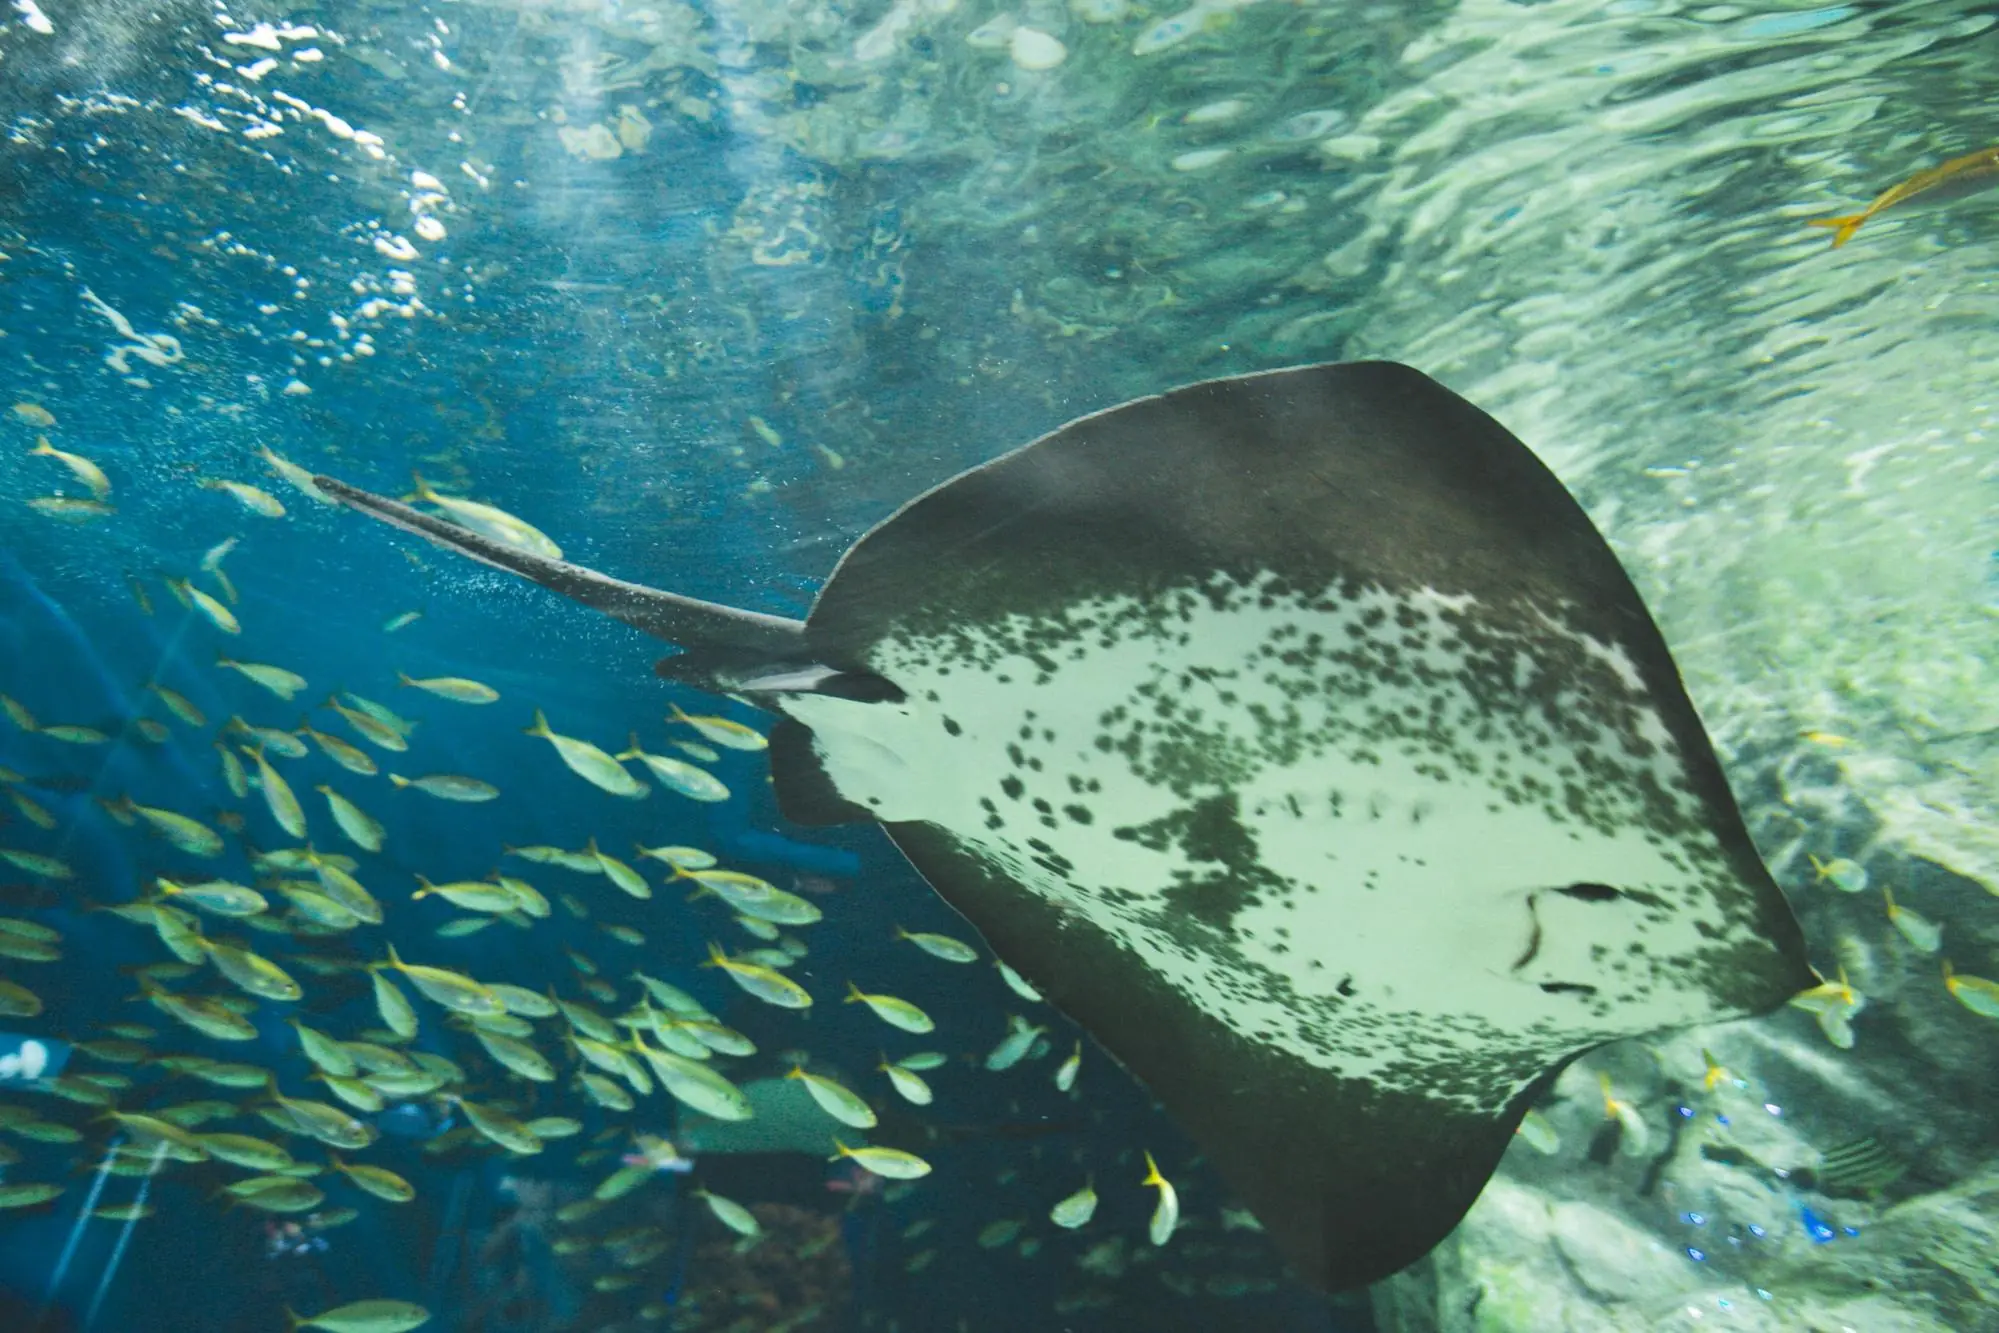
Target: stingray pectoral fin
(717,639)
(1352,1179)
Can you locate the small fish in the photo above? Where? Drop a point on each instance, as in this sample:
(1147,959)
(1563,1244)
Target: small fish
(1017,983)
(251,973)
(17,1001)
(940,946)
(18,714)
(72,734)
(253,498)
(1716,1073)
(1974,993)
(754,897)
(1954,179)
(1633,1135)
(1019,1040)
(697,784)
(360,828)
(151,731)
(1539,1134)
(489,521)
(277,680)
(1846,876)
(349,757)
(893,1163)
(618,872)
(694,1084)
(278,796)
(765,984)
(217,896)
(379,1181)
(473,895)
(893,1011)
(27,1195)
(451,989)
(292,473)
(1165,1213)
(1925,934)
(1065,1073)
(48,867)
(836,1099)
(397,1014)
(588,762)
(215,612)
(402,621)
(448,786)
(178,705)
(85,471)
(455,688)
(730,1213)
(376,732)
(1077,1209)
(723,732)
(246,1151)
(365,1317)
(696,750)
(189,835)
(329,1124)
(64,506)
(34,414)
(907,1082)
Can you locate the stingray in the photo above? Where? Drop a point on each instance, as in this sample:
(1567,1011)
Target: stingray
(1298,736)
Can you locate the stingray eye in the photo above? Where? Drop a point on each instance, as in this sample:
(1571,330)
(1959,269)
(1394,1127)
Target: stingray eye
(1589,893)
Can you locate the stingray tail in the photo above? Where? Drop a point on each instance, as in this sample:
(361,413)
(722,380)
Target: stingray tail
(721,644)
(1842,228)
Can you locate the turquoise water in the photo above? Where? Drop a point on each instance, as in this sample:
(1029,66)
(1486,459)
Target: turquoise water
(702,291)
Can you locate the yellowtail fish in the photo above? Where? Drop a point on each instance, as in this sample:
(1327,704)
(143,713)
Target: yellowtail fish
(255,499)
(730,1213)
(836,1099)
(17,1001)
(892,1010)
(18,714)
(1019,1040)
(516,1055)
(372,730)
(1634,1136)
(251,973)
(1166,1212)
(70,507)
(376,1316)
(474,895)
(294,475)
(448,787)
(489,521)
(696,750)
(1539,1134)
(360,828)
(765,984)
(1921,932)
(752,896)
(211,565)
(150,731)
(697,784)
(723,732)
(48,867)
(940,946)
(907,1082)
(72,734)
(402,621)
(276,740)
(178,704)
(217,896)
(455,688)
(584,863)
(189,835)
(893,1163)
(1065,1073)
(276,679)
(1077,1209)
(349,757)
(1958,177)
(586,761)
(397,1014)
(213,611)
(1017,983)
(695,1085)
(618,872)
(329,1124)
(379,1181)
(1974,993)
(85,471)
(33,414)
(500,1127)
(453,990)
(278,796)
(326,1053)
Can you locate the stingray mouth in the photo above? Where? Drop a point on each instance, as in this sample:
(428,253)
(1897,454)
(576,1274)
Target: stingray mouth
(1586,892)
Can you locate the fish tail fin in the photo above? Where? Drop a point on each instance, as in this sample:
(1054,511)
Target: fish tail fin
(43,447)
(540,727)
(678,715)
(395,960)
(843,1151)
(403,677)
(423,490)
(715,955)
(900,933)
(632,750)
(854,993)
(398,780)
(1842,228)
(797,1071)
(424,892)
(1152,1176)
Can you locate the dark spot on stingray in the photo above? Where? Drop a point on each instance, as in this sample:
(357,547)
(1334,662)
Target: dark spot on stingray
(1589,893)
(951,728)
(1567,988)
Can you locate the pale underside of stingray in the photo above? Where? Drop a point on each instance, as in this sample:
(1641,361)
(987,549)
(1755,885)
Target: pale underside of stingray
(1299,737)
